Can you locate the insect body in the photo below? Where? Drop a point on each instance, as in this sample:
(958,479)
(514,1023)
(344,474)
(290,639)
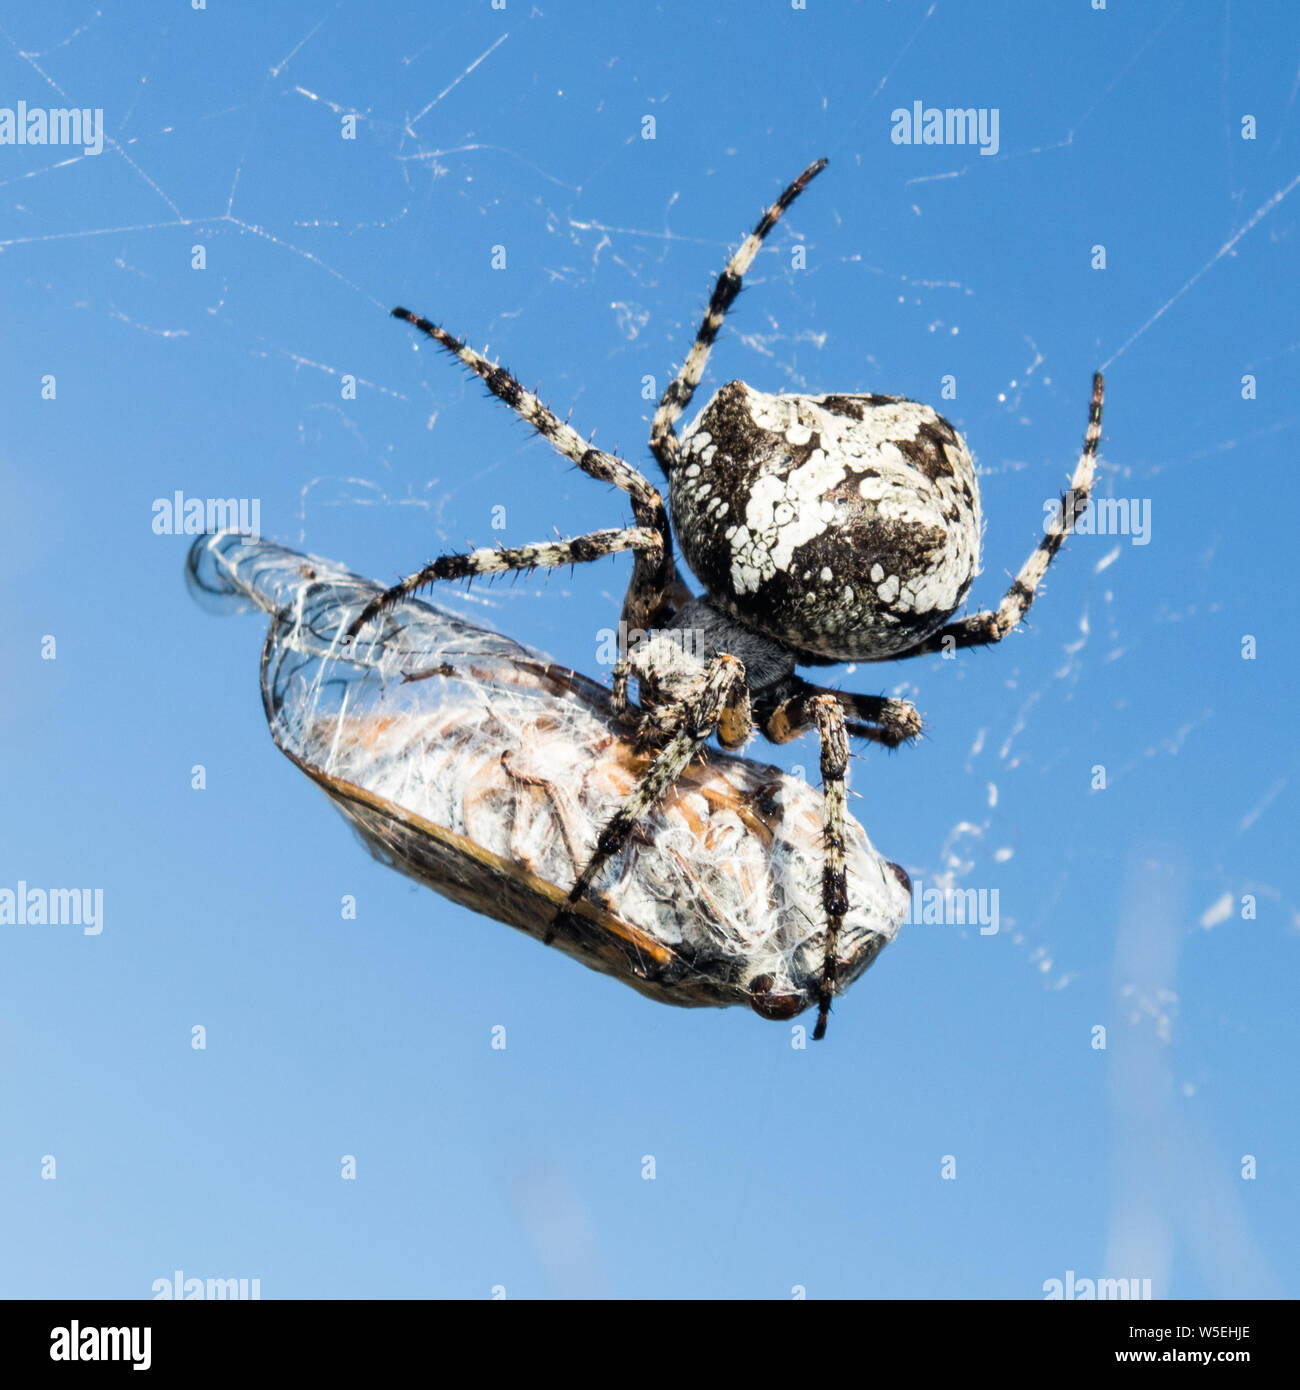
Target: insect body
(823,529)
(486,772)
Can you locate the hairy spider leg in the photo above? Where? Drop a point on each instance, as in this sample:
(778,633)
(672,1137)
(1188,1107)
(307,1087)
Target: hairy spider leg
(979,629)
(493,560)
(653,575)
(812,707)
(874,717)
(722,705)
(677,395)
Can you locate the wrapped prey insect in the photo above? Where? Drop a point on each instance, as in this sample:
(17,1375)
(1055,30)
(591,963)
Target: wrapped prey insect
(486,772)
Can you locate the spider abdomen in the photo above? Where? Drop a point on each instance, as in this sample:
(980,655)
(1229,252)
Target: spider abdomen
(844,526)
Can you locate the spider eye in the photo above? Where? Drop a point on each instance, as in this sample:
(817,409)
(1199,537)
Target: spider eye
(774,1006)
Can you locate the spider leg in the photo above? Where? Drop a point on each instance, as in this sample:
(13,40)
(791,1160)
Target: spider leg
(620,701)
(543,554)
(677,396)
(825,709)
(652,574)
(874,717)
(981,628)
(722,704)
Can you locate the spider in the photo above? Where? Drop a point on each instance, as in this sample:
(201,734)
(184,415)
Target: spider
(823,529)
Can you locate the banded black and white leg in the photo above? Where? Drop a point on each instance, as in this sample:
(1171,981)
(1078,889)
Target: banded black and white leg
(620,699)
(825,710)
(721,706)
(677,395)
(980,629)
(654,575)
(641,540)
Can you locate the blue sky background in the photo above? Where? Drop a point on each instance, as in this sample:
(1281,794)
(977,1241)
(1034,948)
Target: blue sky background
(775,1167)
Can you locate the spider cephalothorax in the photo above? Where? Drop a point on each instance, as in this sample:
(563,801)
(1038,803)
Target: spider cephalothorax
(823,528)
